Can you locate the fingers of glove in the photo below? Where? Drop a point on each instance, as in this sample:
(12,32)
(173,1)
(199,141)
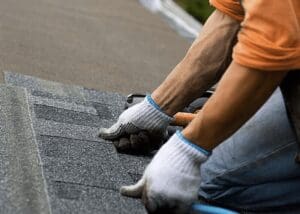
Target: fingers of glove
(159,203)
(140,142)
(157,206)
(135,190)
(122,145)
(149,203)
(115,131)
(146,142)
(133,144)
(157,140)
(163,210)
(130,145)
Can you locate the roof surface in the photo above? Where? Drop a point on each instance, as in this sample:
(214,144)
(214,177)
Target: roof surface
(107,45)
(51,148)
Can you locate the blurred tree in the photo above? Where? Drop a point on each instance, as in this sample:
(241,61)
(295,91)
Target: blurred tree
(200,9)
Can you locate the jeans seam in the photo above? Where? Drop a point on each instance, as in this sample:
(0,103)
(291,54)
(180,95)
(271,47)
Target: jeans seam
(253,162)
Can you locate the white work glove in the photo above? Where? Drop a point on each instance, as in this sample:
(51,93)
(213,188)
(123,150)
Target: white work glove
(145,116)
(172,179)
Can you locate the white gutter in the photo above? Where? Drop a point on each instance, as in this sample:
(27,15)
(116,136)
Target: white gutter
(179,19)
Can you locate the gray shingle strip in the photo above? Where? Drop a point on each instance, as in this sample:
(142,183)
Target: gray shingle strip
(85,162)
(67,116)
(73,198)
(63,105)
(84,173)
(48,127)
(113,100)
(108,98)
(22,188)
(45,94)
(134,165)
(105,114)
(44,88)
(35,84)
(60,147)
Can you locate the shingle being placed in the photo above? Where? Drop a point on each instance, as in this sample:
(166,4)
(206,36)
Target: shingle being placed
(83,172)
(55,90)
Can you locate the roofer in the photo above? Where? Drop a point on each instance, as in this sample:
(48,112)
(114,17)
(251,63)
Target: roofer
(252,47)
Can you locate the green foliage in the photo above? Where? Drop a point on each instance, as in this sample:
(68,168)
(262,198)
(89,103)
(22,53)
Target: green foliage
(200,9)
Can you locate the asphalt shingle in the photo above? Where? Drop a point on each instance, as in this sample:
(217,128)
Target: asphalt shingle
(134,165)
(74,198)
(48,127)
(50,89)
(68,116)
(83,172)
(83,162)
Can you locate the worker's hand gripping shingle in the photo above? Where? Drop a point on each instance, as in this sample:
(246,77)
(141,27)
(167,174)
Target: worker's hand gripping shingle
(172,179)
(145,116)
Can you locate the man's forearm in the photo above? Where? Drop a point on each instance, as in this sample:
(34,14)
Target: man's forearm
(202,66)
(240,93)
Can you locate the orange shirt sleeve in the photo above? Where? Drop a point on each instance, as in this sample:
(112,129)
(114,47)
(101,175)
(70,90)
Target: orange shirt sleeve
(231,8)
(269,38)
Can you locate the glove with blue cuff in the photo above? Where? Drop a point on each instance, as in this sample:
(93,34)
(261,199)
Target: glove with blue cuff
(135,126)
(172,180)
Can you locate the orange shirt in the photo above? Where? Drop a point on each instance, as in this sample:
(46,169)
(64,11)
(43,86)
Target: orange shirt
(269,38)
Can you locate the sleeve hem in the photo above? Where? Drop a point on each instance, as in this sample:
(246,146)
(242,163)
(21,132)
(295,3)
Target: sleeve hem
(235,13)
(266,66)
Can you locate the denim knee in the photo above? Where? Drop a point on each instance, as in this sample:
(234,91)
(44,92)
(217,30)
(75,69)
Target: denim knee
(270,181)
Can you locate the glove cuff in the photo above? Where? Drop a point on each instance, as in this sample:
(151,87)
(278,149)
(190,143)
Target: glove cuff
(151,116)
(153,103)
(183,154)
(188,142)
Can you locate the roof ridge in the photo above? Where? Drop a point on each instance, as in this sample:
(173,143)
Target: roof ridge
(23,185)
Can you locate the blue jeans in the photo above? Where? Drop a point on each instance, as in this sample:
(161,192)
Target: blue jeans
(255,168)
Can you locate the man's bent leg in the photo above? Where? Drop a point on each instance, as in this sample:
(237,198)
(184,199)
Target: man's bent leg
(255,168)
